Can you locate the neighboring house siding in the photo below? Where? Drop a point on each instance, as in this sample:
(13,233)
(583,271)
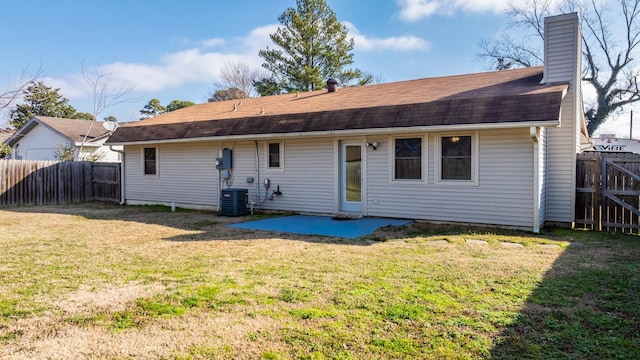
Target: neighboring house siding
(105,155)
(39,144)
(504,194)
(561,61)
(111,156)
(98,146)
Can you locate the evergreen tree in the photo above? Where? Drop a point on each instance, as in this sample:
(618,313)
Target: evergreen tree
(41,100)
(311,47)
(178,104)
(153,108)
(267,86)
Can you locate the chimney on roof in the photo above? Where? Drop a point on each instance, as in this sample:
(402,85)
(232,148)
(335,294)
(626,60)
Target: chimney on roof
(332,85)
(562,49)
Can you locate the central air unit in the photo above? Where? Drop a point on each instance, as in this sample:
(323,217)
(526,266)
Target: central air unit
(234,202)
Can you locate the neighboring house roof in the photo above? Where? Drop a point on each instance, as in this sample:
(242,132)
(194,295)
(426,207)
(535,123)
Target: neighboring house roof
(73,129)
(5,134)
(499,97)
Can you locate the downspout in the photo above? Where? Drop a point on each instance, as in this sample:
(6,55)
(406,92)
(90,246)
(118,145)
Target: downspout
(122,198)
(533,133)
(257,176)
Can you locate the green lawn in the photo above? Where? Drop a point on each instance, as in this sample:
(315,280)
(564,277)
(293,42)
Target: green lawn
(111,282)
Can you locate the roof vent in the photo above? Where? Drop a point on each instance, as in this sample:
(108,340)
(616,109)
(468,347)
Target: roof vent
(332,85)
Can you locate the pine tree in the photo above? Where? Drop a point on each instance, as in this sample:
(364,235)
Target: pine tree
(41,100)
(311,47)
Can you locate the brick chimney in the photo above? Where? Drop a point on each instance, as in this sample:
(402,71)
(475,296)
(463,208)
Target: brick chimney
(332,85)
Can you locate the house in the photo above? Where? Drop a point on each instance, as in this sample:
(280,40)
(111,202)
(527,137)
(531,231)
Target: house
(41,136)
(5,134)
(494,148)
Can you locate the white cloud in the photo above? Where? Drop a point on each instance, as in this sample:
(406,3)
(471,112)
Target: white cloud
(70,86)
(413,10)
(189,66)
(209,43)
(198,65)
(201,64)
(394,43)
(257,39)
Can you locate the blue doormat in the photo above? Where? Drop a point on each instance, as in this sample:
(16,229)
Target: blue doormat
(321,225)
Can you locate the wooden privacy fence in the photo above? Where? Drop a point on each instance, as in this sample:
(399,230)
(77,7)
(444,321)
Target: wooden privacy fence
(608,192)
(50,183)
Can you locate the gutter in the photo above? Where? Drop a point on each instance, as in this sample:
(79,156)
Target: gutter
(370,131)
(533,133)
(123,200)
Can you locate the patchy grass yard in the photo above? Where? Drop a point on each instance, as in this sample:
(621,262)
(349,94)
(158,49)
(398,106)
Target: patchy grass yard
(101,281)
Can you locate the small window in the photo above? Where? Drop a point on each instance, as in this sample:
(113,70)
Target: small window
(274,155)
(150,161)
(408,158)
(274,151)
(456,158)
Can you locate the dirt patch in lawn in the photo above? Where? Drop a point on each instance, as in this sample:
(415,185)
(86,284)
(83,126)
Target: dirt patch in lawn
(111,297)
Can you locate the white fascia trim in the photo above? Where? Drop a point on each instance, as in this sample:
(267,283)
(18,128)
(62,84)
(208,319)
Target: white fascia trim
(377,131)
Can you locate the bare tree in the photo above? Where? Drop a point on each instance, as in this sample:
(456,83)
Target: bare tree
(238,74)
(10,96)
(107,92)
(609,65)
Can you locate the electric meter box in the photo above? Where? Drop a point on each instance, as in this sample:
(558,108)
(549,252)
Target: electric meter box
(226,161)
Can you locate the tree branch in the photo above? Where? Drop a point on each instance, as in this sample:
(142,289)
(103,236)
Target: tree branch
(10,96)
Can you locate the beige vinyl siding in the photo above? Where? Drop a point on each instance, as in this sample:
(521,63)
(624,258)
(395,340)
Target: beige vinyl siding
(186,175)
(562,46)
(244,165)
(561,167)
(562,65)
(307,182)
(504,194)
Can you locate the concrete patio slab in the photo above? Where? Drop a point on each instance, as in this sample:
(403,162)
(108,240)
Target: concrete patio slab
(321,225)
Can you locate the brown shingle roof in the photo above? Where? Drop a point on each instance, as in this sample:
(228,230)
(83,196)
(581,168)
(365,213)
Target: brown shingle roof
(74,129)
(483,98)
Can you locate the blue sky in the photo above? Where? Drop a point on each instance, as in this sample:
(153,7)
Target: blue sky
(170,50)
(175,50)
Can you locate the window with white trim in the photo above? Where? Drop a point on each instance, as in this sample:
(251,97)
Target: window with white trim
(275,158)
(150,160)
(457,159)
(408,158)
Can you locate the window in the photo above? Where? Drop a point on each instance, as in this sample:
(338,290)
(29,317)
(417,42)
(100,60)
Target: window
(456,158)
(150,162)
(408,158)
(275,155)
